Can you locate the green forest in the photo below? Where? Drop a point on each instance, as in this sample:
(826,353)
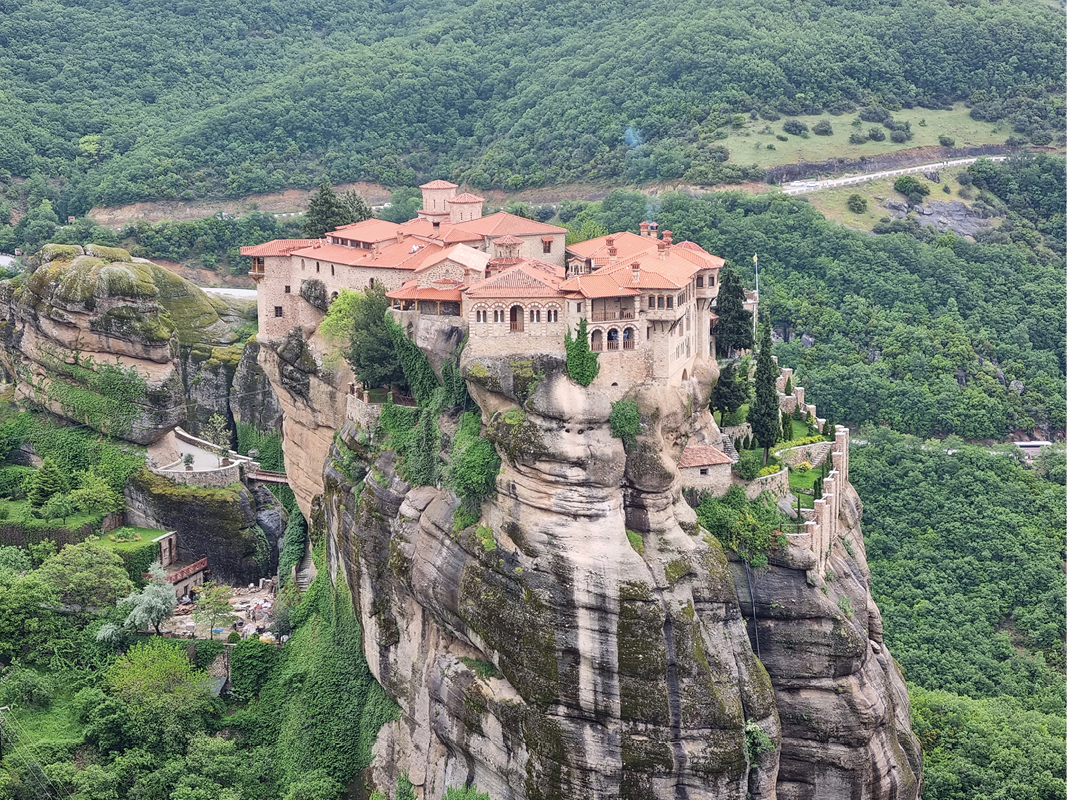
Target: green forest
(923,332)
(120,102)
(966,551)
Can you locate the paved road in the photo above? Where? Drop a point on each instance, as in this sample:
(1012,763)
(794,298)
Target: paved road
(244,294)
(803,187)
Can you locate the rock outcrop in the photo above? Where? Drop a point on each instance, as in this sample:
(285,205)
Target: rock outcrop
(587,638)
(117,343)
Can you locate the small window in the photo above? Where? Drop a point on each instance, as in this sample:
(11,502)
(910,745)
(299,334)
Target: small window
(301,265)
(670,301)
(288,289)
(652,302)
(277,311)
(498,315)
(659,301)
(546,245)
(648,332)
(370,283)
(553,315)
(704,471)
(479,316)
(332,271)
(711,281)
(700,283)
(535,316)
(579,308)
(318,266)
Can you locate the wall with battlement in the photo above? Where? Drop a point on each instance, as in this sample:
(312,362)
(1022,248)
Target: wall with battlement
(362,412)
(823,523)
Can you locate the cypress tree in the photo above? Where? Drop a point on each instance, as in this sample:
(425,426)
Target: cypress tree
(787,427)
(788,386)
(325,212)
(763,415)
(583,365)
(731,391)
(734,330)
(45,483)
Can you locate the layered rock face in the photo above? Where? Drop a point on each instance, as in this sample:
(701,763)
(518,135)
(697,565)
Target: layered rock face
(117,343)
(587,639)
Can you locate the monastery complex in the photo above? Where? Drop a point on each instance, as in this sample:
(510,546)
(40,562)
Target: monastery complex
(513,281)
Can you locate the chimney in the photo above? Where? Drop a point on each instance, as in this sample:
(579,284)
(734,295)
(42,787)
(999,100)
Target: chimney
(667,237)
(653,230)
(644,228)
(436,226)
(636,267)
(661,248)
(400,236)
(613,251)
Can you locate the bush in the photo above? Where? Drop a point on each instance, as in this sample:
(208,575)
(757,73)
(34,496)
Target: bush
(946,141)
(13,480)
(251,663)
(857,138)
(781,138)
(802,467)
(910,185)
(625,421)
(770,469)
(748,465)
(795,127)
(233,638)
(876,134)
(964,179)
(27,689)
(899,137)
(823,128)
(856,204)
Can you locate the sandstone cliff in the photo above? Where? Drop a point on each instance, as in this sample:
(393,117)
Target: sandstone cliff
(122,345)
(586,639)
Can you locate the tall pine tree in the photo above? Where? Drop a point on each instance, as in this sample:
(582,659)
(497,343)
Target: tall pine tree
(731,391)
(734,329)
(45,483)
(327,211)
(763,415)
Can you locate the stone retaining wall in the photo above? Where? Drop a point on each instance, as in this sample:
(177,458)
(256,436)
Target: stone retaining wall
(362,412)
(777,484)
(814,453)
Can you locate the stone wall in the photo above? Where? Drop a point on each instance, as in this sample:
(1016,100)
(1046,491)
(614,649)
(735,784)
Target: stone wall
(717,480)
(777,484)
(214,478)
(362,412)
(813,453)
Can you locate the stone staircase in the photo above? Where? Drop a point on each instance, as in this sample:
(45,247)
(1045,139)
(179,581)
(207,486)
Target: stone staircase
(728,447)
(305,571)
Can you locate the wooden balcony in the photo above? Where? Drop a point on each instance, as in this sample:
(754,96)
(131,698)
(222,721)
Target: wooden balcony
(517,326)
(608,316)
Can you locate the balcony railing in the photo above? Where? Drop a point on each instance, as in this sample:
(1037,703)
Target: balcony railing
(516,326)
(629,344)
(613,344)
(608,316)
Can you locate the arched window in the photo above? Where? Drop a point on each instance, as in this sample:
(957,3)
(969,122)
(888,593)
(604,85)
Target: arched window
(597,341)
(613,339)
(685,375)
(517,319)
(629,339)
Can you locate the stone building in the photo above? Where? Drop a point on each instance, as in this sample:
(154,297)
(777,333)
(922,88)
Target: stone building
(361,255)
(516,286)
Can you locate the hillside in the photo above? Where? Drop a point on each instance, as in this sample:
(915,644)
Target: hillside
(148,100)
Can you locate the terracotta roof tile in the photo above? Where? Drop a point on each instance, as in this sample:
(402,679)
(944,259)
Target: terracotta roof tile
(466,197)
(439,184)
(597,285)
(277,247)
(461,254)
(703,456)
(528,278)
(397,255)
(502,223)
(368,230)
(508,239)
(412,291)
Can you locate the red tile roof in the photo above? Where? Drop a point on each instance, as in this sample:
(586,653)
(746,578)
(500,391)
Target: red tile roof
(508,239)
(703,456)
(466,197)
(597,285)
(528,278)
(277,247)
(412,291)
(394,255)
(460,254)
(438,185)
(502,223)
(369,230)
